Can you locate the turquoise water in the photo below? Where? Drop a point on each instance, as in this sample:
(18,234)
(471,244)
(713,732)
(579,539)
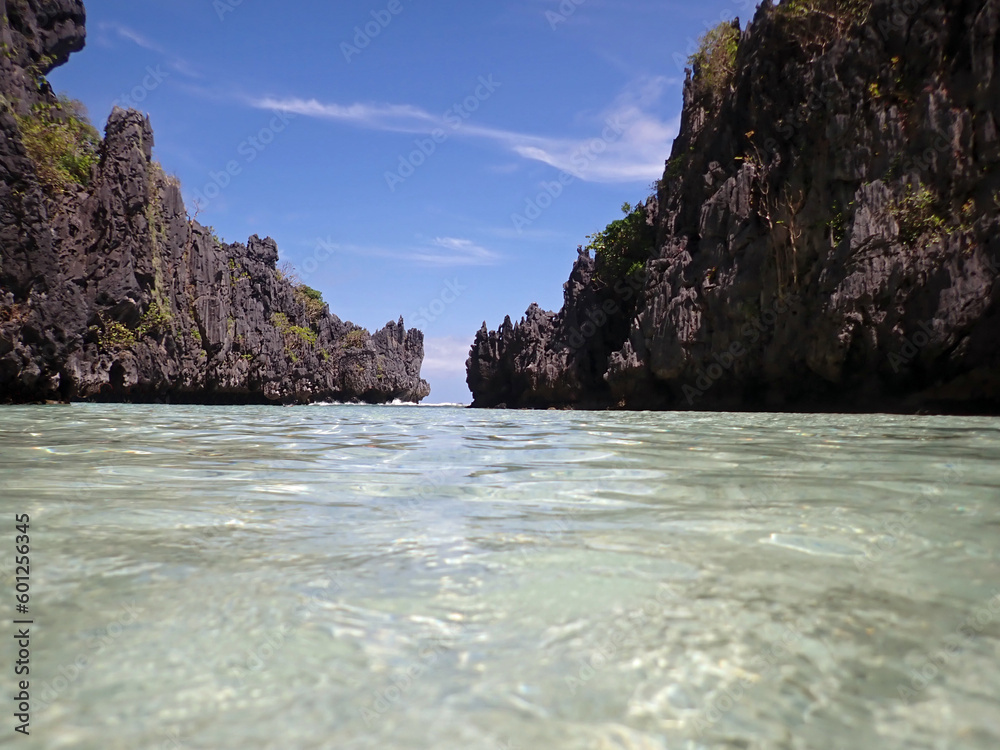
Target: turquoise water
(401,577)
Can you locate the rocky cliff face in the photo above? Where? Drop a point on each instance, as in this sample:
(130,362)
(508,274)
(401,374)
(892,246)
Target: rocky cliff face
(827,232)
(108,291)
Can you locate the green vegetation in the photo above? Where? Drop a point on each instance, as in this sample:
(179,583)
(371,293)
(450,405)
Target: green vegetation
(820,22)
(677,164)
(297,338)
(355,339)
(840,221)
(854,11)
(624,246)
(237,272)
(115,335)
(281,322)
(714,63)
(61,142)
(917,215)
(312,300)
(154,320)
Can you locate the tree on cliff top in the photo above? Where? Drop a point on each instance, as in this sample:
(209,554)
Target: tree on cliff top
(714,64)
(623,246)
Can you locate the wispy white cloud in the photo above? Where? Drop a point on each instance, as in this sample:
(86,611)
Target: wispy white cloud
(453,251)
(441,252)
(110,28)
(628,139)
(445,357)
(130,35)
(185,68)
(401,118)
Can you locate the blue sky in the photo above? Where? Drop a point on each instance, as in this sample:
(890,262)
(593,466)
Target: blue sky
(440,161)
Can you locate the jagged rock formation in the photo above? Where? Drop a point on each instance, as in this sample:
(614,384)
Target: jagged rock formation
(108,291)
(828,232)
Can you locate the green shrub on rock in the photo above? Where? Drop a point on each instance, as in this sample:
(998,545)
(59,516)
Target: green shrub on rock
(312,300)
(917,214)
(853,11)
(112,334)
(714,64)
(623,246)
(293,332)
(355,339)
(61,142)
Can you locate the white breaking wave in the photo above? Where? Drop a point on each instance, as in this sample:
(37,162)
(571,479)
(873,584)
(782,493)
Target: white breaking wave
(397,402)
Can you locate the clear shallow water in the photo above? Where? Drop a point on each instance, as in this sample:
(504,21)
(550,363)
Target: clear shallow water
(357,577)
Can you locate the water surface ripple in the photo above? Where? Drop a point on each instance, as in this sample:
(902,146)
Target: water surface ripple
(398,577)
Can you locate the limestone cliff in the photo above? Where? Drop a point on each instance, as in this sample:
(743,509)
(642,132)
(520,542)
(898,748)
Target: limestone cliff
(108,291)
(827,231)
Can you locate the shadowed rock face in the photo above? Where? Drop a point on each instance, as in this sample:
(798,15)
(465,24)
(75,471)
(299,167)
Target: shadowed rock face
(828,234)
(39,36)
(110,292)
